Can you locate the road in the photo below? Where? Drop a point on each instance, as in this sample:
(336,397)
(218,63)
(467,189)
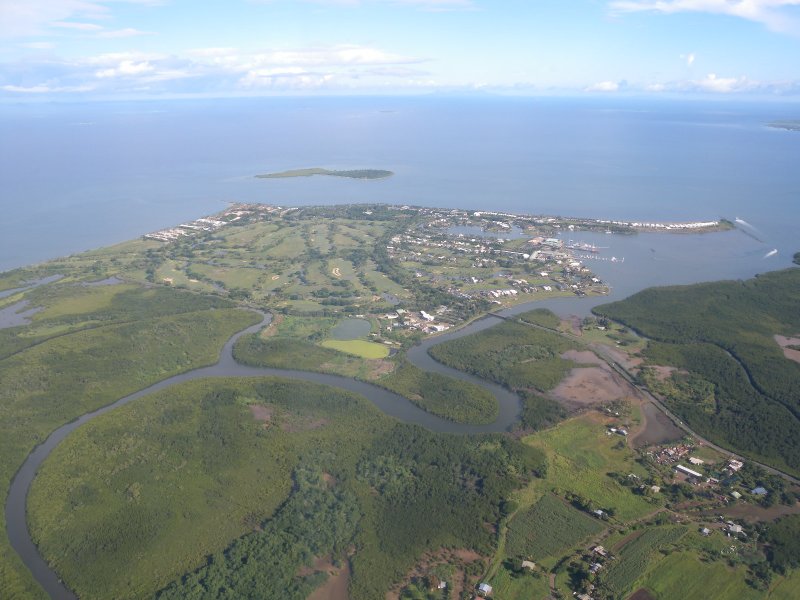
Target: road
(624,373)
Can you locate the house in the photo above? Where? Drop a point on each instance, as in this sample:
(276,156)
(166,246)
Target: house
(760,491)
(600,514)
(687,471)
(426,316)
(735,465)
(484,589)
(696,461)
(526,564)
(736,495)
(595,567)
(705,532)
(734,528)
(600,551)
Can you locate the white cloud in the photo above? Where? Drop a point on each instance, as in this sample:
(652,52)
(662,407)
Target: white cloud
(689,58)
(714,84)
(431,5)
(22,18)
(44,88)
(342,54)
(775,14)
(39,45)
(122,33)
(125,68)
(603,86)
(76,25)
(723,85)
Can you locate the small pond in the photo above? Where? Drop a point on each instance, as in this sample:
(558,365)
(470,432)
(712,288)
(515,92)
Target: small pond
(351,329)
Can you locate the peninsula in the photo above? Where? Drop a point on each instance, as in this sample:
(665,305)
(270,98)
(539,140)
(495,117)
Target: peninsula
(351,174)
(788,125)
(265,399)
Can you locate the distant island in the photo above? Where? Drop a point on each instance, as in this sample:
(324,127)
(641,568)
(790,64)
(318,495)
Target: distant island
(352,174)
(787,125)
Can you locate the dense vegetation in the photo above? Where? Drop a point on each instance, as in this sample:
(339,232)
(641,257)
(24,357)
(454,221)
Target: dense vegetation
(539,412)
(251,481)
(138,497)
(89,347)
(783,539)
(453,399)
(432,491)
(513,354)
(722,333)
(315,521)
(282,353)
(541,316)
(548,528)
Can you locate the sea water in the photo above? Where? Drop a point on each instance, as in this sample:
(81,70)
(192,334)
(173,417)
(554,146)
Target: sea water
(80,176)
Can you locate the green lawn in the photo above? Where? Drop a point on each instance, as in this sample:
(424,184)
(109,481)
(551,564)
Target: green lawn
(362,348)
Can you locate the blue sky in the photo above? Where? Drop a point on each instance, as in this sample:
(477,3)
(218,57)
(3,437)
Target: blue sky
(83,49)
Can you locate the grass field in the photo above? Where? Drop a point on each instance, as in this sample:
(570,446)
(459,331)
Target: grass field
(362,348)
(636,556)
(548,529)
(580,456)
(786,587)
(683,575)
(509,585)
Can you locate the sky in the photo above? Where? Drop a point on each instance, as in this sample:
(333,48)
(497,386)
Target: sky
(107,49)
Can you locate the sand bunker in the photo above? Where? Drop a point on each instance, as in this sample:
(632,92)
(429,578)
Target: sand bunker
(784,342)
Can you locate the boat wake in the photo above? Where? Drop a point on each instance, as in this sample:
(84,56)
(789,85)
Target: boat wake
(748,229)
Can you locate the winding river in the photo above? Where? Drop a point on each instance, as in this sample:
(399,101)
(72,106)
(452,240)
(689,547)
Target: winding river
(390,403)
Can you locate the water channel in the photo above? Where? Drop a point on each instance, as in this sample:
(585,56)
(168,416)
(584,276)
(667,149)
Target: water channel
(652,259)
(390,403)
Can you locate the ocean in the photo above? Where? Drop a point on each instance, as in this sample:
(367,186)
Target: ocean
(75,177)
